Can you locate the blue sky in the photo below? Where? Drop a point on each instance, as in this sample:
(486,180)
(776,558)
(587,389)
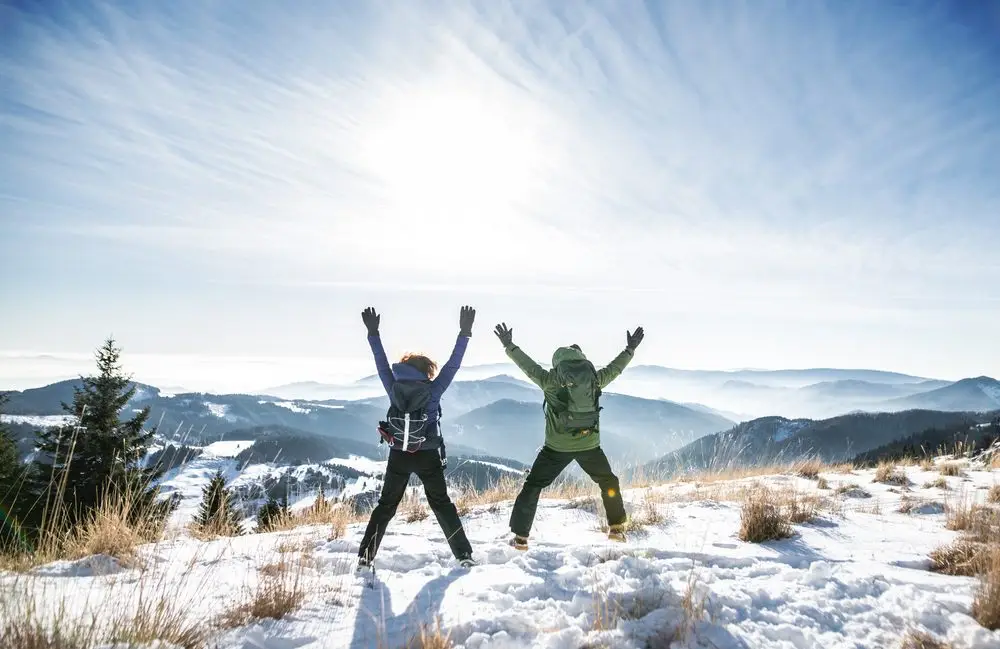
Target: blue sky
(758,184)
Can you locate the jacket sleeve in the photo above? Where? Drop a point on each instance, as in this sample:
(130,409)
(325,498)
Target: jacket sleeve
(447,373)
(382,364)
(614,368)
(533,370)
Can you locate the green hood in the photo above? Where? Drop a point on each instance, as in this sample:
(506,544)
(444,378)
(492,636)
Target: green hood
(567,354)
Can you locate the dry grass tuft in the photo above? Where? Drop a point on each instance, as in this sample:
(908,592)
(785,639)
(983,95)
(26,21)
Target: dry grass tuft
(693,605)
(939,483)
(979,522)
(852,490)
(993,495)
(920,640)
(503,490)
(963,558)
(889,473)
(927,464)
(986,601)
(799,508)
(430,637)
(414,510)
(337,515)
(822,483)
(761,518)
(156,616)
(279,591)
(116,527)
(951,469)
(808,468)
(109,530)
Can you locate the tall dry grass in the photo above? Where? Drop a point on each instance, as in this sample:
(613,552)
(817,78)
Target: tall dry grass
(281,588)
(761,518)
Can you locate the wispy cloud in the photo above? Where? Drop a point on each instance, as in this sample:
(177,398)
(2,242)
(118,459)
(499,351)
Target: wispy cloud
(819,152)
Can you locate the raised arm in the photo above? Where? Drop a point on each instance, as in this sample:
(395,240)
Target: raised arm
(371,320)
(608,374)
(447,374)
(532,370)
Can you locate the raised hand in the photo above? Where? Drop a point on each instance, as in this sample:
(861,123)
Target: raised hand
(633,339)
(505,334)
(371,320)
(465,319)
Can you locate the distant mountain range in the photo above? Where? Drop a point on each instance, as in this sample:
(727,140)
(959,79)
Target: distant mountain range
(500,414)
(777,439)
(738,395)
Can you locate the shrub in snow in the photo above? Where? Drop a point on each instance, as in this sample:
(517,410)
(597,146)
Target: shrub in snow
(268,515)
(951,469)
(888,473)
(761,519)
(986,603)
(218,514)
(963,558)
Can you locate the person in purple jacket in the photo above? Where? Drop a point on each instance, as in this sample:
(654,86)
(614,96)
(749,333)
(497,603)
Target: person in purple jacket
(413,431)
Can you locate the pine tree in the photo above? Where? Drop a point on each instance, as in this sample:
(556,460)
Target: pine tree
(100,456)
(10,464)
(218,513)
(12,489)
(268,515)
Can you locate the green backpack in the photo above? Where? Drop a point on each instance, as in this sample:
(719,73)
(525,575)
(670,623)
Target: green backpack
(577,410)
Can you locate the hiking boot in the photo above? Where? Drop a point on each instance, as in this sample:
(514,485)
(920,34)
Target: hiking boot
(363,564)
(519,542)
(616,533)
(467,562)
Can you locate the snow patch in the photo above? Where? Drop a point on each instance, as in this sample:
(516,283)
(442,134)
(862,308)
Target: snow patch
(227,448)
(992,391)
(502,467)
(290,405)
(42,421)
(92,566)
(788,429)
(362,464)
(217,409)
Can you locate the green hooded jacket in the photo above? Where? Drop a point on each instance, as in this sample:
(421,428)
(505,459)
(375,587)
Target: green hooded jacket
(545,379)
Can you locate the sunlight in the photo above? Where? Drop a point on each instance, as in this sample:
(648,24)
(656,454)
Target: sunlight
(442,152)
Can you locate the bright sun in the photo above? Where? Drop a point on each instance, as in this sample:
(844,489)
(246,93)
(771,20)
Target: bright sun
(444,152)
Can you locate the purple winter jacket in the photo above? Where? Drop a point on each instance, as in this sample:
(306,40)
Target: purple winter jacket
(404,372)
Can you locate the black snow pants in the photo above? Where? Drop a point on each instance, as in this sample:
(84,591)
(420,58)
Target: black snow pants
(547,467)
(427,466)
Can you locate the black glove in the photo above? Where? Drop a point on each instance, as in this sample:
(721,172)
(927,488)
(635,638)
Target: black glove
(465,320)
(371,319)
(633,339)
(505,335)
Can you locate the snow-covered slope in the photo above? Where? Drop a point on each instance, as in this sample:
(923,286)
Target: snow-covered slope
(854,578)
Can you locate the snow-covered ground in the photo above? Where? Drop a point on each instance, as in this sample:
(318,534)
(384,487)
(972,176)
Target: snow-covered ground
(855,578)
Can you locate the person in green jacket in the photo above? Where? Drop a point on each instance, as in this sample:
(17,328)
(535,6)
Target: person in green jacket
(571,389)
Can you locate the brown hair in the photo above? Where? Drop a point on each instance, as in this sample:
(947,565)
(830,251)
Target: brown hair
(421,362)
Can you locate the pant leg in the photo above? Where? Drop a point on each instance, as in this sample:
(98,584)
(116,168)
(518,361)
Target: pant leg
(431,474)
(545,469)
(397,475)
(595,464)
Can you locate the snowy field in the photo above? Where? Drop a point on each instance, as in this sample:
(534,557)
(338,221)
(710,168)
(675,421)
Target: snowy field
(856,577)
